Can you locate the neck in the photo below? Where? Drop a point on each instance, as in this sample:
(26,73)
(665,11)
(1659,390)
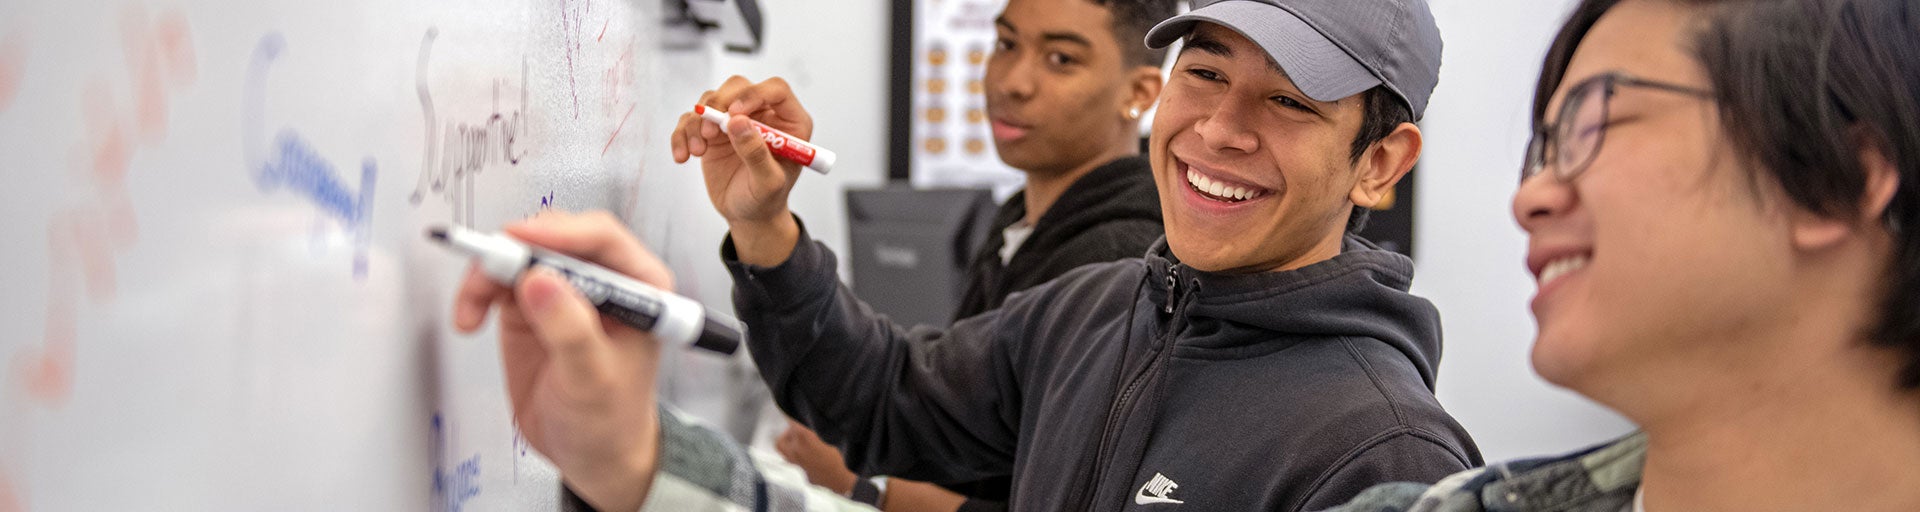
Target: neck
(1045,188)
(1834,445)
(1809,419)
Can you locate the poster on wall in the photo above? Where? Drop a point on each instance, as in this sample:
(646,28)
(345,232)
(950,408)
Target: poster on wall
(947,142)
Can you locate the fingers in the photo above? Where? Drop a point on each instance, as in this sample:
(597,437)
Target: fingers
(771,102)
(679,139)
(801,433)
(787,445)
(597,237)
(690,133)
(477,294)
(773,97)
(567,327)
(753,151)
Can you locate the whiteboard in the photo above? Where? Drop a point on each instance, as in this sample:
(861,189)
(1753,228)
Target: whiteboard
(217,293)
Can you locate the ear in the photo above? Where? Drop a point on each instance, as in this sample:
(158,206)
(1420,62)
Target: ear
(1384,163)
(1812,231)
(1143,88)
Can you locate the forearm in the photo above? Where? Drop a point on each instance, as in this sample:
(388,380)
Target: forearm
(700,469)
(894,400)
(623,487)
(909,495)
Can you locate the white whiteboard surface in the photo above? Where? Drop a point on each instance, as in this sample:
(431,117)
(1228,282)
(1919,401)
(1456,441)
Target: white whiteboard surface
(217,295)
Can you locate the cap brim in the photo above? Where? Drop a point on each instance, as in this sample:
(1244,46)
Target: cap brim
(1314,63)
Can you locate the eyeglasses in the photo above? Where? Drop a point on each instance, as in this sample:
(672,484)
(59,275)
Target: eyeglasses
(1573,139)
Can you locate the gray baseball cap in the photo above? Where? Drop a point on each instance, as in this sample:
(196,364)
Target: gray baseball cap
(1331,49)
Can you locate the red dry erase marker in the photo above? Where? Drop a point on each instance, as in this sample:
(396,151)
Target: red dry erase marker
(784,145)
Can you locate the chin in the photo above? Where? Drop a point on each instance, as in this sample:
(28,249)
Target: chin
(1020,155)
(1188,248)
(1561,360)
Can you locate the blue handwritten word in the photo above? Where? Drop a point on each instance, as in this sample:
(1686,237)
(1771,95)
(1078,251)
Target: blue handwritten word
(452,487)
(520,446)
(293,164)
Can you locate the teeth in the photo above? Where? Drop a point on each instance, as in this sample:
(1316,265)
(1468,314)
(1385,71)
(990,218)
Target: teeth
(1561,267)
(1218,188)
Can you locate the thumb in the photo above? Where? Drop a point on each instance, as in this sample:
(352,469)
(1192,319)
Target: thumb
(754,152)
(566,324)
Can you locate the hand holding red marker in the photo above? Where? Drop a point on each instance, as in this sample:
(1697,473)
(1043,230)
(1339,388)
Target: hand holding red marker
(783,145)
(748,178)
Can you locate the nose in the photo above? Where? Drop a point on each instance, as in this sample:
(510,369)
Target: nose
(1540,199)
(1223,129)
(1010,77)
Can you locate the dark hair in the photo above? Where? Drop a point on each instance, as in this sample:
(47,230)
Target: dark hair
(1384,112)
(1801,85)
(1131,20)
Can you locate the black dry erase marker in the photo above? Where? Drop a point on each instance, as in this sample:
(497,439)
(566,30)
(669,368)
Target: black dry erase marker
(674,319)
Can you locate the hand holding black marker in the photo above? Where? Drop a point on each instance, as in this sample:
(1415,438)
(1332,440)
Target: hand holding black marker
(673,319)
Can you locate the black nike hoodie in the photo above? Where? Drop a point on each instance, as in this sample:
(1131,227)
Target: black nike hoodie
(1135,385)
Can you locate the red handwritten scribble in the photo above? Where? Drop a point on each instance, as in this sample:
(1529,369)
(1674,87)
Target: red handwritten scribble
(109,153)
(159,56)
(47,377)
(615,83)
(571,23)
(84,239)
(13,63)
(9,499)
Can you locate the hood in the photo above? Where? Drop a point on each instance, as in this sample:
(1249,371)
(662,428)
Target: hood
(1361,293)
(1120,189)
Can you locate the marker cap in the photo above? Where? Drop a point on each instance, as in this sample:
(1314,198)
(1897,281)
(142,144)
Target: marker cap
(823,159)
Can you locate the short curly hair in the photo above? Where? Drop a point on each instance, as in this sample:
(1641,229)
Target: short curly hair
(1131,20)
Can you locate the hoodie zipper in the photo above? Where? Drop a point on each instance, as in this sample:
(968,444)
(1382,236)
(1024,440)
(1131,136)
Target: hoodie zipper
(1173,283)
(1127,395)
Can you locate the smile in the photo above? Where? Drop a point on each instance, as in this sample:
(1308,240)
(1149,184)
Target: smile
(1560,267)
(1219,189)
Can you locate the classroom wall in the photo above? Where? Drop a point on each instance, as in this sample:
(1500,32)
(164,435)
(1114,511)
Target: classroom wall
(1471,251)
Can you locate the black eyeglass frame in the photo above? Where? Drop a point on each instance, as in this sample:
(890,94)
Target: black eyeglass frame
(1551,136)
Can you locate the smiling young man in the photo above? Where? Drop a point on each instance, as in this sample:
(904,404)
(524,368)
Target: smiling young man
(1260,359)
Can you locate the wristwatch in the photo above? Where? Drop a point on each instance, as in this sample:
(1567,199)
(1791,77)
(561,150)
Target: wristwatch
(871,491)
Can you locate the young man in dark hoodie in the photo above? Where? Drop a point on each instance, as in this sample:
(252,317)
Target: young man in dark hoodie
(1065,88)
(1259,359)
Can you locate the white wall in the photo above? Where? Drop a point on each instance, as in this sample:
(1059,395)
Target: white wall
(1470,249)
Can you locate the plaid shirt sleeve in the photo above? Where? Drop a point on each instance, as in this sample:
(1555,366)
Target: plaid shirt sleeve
(703,470)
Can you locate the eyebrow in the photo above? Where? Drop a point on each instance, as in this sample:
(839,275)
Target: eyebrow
(1066,37)
(1218,49)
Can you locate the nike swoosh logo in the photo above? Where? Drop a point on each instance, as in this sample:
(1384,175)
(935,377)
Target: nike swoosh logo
(1161,486)
(1142,499)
